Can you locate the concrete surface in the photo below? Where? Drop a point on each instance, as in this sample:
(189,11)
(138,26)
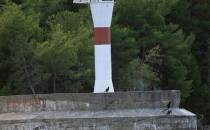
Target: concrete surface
(116,111)
(89,101)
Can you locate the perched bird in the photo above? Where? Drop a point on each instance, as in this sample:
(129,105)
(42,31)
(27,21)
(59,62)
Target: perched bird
(169,112)
(169,105)
(107,90)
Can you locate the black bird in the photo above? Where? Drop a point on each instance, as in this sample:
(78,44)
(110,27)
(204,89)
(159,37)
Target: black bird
(107,90)
(169,105)
(169,112)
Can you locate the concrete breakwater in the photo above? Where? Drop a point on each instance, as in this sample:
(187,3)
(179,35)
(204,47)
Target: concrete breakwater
(88,111)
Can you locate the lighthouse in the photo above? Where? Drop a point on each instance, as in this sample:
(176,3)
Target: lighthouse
(102,11)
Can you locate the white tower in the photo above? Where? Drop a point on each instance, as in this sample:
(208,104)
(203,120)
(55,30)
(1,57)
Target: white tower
(102,11)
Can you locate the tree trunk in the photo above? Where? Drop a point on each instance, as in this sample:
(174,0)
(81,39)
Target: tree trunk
(54,82)
(28,76)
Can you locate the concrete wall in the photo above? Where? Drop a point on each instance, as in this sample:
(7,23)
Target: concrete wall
(155,123)
(89,101)
(111,111)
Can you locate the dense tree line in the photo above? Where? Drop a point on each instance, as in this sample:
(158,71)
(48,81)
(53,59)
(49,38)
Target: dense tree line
(46,46)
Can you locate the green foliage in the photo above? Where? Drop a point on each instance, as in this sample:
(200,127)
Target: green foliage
(137,76)
(67,20)
(124,41)
(57,54)
(62,55)
(143,12)
(2,3)
(146,18)
(193,17)
(17,33)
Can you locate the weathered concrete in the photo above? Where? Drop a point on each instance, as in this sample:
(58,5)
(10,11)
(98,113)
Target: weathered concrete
(116,111)
(89,101)
(152,119)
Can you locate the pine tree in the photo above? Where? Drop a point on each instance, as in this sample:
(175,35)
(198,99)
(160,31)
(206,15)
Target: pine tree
(193,16)
(147,20)
(66,56)
(17,33)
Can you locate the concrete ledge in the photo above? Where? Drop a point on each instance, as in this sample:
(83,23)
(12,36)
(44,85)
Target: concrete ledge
(132,113)
(139,119)
(88,111)
(89,101)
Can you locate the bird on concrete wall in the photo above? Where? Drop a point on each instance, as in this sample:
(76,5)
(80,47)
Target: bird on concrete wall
(168,110)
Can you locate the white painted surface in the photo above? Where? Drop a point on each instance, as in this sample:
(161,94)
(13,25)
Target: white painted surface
(102,16)
(102,13)
(81,1)
(92,1)
(101,86)
(103,62)
(185,112)
(102,1)
(103,69)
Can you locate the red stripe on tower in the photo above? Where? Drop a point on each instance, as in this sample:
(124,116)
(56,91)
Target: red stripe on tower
(102,35)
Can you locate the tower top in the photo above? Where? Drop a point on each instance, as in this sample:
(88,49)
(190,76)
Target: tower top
(92,1)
